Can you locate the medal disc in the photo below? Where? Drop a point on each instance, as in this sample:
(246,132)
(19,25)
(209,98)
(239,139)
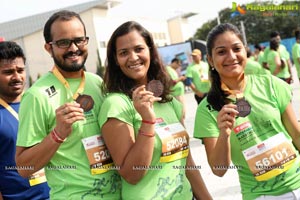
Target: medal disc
(86,102)
(156,87)
(243,107)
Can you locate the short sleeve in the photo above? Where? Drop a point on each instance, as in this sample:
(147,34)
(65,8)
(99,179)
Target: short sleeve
(32,126)
(282,92)
(117,106)
(205,121)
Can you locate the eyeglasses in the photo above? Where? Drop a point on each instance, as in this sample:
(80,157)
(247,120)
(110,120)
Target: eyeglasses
(66,43)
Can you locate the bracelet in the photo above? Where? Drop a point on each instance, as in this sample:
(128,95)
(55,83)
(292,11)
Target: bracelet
(148,122)
(56,137)
(146,134)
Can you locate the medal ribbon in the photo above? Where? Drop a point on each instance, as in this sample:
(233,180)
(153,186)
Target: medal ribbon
(9,108)
(234,93)
(60,77)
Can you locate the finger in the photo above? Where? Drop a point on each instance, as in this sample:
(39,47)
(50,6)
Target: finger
(156,99)
(138,89)
(230,110)
(74,116)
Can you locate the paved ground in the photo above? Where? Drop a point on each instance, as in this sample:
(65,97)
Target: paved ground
(226,187)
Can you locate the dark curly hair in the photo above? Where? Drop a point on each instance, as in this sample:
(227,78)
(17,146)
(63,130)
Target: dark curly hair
(116,81)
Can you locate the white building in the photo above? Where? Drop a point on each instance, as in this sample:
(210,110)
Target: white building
(28,33)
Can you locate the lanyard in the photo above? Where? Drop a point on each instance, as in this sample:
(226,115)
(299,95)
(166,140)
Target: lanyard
(60,77)
(9,108)
(238,94)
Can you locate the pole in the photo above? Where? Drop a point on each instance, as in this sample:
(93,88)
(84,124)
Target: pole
(243,32)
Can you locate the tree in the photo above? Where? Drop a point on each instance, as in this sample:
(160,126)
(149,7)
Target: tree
(258,24)
(100,68)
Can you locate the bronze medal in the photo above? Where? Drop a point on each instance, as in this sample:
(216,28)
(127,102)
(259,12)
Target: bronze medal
(156,87)
(86,102)
(243,107)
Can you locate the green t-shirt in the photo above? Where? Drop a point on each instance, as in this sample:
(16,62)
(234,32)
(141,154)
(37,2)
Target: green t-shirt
(199,75)
(253,67)
(260,58)
(283,73)
(167,180)
(281,49)
(268,97)
(68,172)
(296,56)
(178,88)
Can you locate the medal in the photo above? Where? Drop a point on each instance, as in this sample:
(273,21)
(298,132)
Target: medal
(243,107)
(86,102)
(156,87)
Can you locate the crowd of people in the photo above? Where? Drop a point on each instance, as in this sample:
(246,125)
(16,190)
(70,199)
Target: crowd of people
(74,135)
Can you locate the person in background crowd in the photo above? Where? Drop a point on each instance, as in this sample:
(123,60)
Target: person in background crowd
(252,66)
(177,89)
(278,65)
(248,120)
(12,83)
(142,128)
(284,54)
(259,53)
(197,77)
(58,119)
(296,53)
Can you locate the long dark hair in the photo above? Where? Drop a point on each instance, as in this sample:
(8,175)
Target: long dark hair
(216,96)
(116,81)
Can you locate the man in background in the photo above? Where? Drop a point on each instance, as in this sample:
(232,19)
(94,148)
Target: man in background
(12,82)
(197,76)
(177,89)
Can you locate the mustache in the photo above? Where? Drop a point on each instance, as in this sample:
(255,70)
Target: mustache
(71,53)
(14,82)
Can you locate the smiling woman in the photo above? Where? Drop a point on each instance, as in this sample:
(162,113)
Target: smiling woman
(143,127)
(248,120)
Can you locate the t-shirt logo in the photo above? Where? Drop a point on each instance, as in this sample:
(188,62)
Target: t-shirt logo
(51,91)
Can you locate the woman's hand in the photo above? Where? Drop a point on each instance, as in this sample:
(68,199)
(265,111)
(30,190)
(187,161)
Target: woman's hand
(226,119)
(143,102)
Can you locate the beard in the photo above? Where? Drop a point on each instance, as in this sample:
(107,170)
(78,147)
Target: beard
(73,67)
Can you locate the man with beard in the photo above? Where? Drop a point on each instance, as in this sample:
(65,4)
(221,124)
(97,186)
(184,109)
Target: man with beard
(12,83)
(58,119)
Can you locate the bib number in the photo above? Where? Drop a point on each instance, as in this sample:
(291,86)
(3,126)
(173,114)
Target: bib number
(98,154)
(270,158)
(175,142)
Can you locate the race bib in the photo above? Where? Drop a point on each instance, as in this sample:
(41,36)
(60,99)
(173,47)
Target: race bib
(99,158)
(175,142)
(270,158)
(37,178)
(203,76)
